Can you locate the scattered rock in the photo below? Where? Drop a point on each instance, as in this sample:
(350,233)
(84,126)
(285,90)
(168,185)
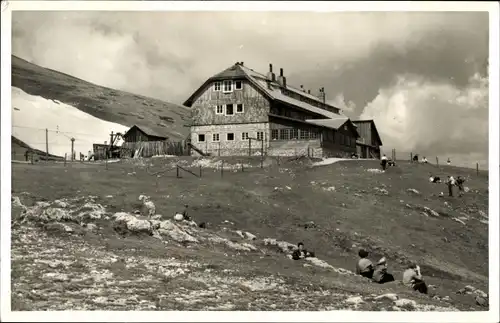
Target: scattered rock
(483,214)
(250,236)
(382,191)
(170,229)
(238,232)
(60,204)
(459,221)
(91,226)
(405,303)
(56,277)
(392,297)
(356,300)
(481,301)
(412,190)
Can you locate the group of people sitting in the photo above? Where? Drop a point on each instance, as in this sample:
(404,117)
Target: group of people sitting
(378,272)
(412,276)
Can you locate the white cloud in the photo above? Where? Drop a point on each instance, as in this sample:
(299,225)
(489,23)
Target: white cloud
(416,115)
(348,107)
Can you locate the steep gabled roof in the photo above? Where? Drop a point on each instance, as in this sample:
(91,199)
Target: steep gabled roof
(271,90)
(372,125)
(335,123)
(148,131)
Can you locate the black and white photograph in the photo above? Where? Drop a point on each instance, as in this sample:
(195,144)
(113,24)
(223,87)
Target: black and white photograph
(249,161)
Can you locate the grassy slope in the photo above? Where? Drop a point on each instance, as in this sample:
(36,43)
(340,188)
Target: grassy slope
(101,102)
(352,216)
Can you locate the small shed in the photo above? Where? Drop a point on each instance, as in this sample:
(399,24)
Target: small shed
(141,133)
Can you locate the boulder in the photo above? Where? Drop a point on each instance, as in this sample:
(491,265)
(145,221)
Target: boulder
(390,296)
(405,302)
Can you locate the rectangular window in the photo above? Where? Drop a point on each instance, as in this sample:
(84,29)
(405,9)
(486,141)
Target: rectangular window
(239,108)
(294,134)
(274,134)
(201,138)
(260,135)
(219,109)
(284,134)
(314,135)
(238,85)
(230,136)
(228,86)
(244,136)
(229,110)
(215,137)
(304,134)
(217,86)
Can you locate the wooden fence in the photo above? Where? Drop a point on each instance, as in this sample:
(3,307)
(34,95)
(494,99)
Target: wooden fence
(158,148)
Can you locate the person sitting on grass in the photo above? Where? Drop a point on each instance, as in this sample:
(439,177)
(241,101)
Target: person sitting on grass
(413,278)
(380,274)
(364,267)
(301,253)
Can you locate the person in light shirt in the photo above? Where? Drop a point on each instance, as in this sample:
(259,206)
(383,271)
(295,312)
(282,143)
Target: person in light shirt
(383,162)
(412,277)
(364,267)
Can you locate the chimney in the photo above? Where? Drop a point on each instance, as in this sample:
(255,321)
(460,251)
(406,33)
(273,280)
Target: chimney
(282,79)
(308,91)
(270,75)
(302,88)
(241,63)
(322,95)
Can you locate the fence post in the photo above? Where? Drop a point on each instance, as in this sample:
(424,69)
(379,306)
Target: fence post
(32,161)
(219,147)
(200,171)
(437,161)
(106,160)
(411,157)
(65,156)
(242,168)
(249,146)
(477,169)
(222,168)
(262,155)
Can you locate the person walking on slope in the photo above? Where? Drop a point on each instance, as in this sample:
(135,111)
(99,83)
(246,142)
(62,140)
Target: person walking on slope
(413,278)
(384,162)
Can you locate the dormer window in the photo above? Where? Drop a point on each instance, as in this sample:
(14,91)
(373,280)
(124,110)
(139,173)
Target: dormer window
(238,85)
(217,86)
(227,86)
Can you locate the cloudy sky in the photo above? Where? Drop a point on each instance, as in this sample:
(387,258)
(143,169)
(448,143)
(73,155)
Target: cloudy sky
(421,76)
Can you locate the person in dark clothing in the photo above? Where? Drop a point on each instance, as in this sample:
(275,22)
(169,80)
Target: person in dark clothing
(460,183)
(364,267)
(301,253)
(380,274)
(184,213)
(415,158)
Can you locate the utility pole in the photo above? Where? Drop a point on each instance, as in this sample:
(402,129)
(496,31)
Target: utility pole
(46,144)
(72,149)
